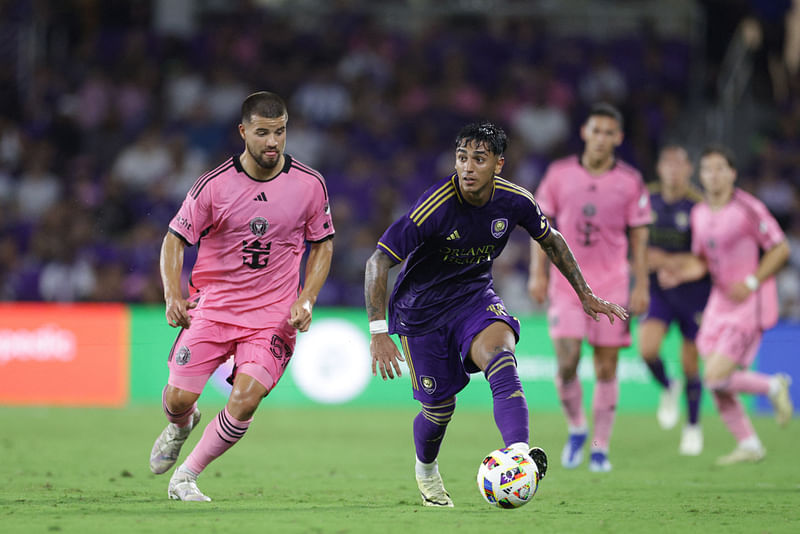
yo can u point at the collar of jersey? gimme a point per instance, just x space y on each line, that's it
287 164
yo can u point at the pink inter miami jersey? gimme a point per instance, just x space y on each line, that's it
593 212
251 238
731 239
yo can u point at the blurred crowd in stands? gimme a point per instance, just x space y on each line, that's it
100 141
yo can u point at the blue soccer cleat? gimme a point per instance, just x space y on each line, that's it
598 462
572 454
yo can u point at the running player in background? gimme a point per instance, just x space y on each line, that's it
730 229
253 216
672 199
443 306
602 206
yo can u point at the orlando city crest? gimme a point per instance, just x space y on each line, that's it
428 384
259 226
499 227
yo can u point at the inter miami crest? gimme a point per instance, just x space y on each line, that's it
183 356
499 227
259 226
428 384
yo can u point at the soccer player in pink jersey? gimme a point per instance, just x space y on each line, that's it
253 216
601 205
730 230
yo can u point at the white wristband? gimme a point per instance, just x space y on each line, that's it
751 282
378 327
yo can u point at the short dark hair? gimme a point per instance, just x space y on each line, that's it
484 132
604 109
722 150
263 104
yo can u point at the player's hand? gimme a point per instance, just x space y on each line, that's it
178 312
300 314
594 306
537 288
385 356
739 292
640 299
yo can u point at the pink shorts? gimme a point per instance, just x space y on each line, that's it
566 319
737 342
262 353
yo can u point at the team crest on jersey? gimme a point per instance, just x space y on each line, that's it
428 384
682 220
183 356
589 210
259 226
499 227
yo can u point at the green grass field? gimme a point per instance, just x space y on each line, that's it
351 470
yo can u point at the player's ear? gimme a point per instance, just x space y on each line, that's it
241 130
499 165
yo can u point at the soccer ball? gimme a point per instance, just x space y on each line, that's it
508 478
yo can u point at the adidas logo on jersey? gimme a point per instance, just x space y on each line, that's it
453 236
261 197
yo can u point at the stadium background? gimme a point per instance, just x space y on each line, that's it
110 109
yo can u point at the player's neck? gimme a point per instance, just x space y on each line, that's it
256 171
478 198
672 194
597 166
719 199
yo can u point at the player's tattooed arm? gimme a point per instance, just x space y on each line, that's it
560 254
385 356
376 278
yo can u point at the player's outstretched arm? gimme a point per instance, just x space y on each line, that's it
385 355
317 266
560 254
171 265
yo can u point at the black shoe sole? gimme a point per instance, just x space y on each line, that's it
540 458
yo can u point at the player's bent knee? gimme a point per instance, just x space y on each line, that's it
179 400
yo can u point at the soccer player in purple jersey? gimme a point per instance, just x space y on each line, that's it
443 307
253 216
672 200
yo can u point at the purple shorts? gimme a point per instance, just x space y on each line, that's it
437 361
683 304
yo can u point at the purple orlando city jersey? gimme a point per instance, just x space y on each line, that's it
671 232
448 246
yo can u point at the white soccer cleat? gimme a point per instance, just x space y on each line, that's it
781 401
743 454
168 445
183 486
432 491
598 462
667 413
572 453
691 441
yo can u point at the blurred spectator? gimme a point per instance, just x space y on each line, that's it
143 163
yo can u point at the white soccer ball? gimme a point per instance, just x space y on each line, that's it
508 478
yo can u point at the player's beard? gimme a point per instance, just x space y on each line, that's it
263 161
